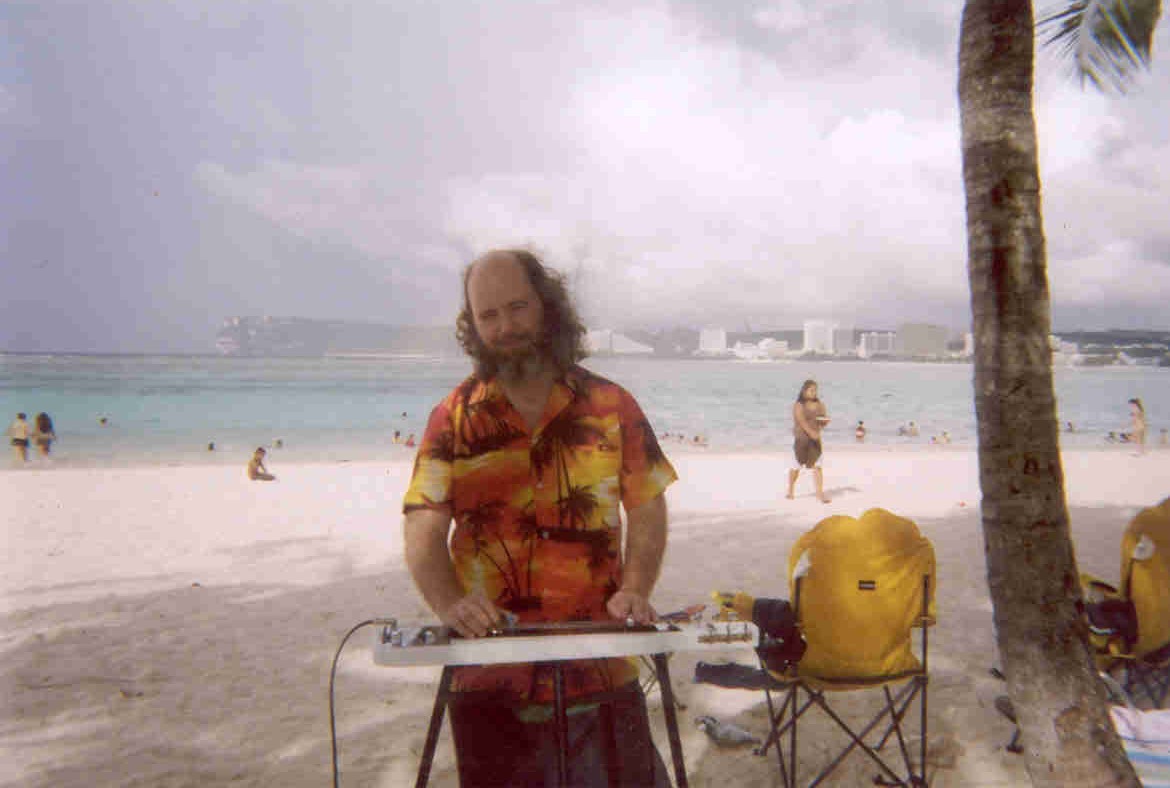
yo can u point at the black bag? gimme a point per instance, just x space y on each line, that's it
1112 618
781 643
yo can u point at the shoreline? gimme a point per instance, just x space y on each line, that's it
230 454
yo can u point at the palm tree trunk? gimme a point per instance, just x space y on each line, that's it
1031 569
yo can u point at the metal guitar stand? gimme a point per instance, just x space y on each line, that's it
443 697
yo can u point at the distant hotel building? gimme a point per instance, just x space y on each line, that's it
774 348
921 339
843 343
818 336
605 342
873 344
712 342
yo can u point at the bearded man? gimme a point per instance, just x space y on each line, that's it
532 458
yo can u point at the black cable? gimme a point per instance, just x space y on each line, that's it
333 675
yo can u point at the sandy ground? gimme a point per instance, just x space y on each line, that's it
175 626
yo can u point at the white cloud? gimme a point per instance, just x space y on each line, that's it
681 174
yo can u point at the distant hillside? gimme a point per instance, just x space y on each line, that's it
299 336
1117 338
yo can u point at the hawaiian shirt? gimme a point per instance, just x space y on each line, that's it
538 529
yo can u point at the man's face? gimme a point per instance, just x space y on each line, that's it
506 310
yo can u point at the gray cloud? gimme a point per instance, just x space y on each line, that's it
688 163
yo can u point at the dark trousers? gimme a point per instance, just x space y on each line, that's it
609 745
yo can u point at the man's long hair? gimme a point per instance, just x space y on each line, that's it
563 333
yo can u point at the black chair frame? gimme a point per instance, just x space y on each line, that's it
894 712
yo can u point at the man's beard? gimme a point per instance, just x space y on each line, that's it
522 362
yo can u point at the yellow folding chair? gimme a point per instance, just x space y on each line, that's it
1142 665
860 588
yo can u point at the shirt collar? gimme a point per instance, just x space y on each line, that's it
565 389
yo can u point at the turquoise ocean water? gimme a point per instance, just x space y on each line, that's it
166 409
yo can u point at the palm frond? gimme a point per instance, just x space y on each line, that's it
1105 41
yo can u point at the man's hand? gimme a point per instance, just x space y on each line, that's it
427 557
625 605
472 616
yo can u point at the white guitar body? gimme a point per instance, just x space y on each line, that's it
436 645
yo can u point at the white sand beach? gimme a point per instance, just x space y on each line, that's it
175 626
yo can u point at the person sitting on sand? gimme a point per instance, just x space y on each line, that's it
809 417
859 432
410 440
256 470
44 435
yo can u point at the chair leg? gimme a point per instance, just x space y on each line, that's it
896 726
1155 682
777 723
857 740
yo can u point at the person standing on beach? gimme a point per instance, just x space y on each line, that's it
1137 428
531 457
809 417
18 432
44 435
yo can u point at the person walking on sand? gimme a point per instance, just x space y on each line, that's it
1137 429
44 435
809 417
256 470
18 433
859 432
514 506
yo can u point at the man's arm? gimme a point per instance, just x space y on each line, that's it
429 562
645 545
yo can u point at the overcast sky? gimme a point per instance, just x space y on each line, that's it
164 165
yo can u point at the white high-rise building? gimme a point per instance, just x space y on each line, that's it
712 342
876 343
605 342
818 336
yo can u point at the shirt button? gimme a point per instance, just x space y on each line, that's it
540 485
543 533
